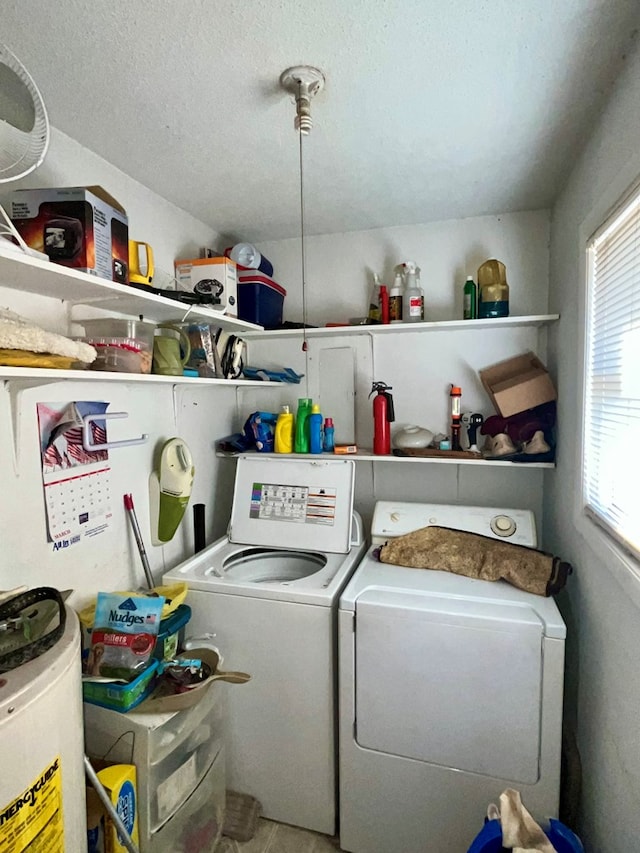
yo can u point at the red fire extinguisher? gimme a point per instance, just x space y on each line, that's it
383 415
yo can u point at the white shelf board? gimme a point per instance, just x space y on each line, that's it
38 375
366 455
32 275
402 328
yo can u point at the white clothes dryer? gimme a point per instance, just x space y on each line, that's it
450 691
269 592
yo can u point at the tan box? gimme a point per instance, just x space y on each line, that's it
518 384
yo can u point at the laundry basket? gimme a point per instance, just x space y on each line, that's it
490 839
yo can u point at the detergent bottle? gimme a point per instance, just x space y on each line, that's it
284 431
383 416
328 440
315 429
301 442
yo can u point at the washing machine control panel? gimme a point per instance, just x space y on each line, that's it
392 519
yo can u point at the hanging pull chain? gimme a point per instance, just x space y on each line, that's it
303 259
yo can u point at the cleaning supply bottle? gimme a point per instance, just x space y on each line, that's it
395 299
384 305
315 429
470 300
455 395
283 442
493 293
301 442
383 416
421 293
412 300
373 317
328 441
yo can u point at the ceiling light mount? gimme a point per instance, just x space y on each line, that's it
303 82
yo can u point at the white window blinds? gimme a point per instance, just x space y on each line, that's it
612 398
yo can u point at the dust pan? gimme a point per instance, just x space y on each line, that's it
241 817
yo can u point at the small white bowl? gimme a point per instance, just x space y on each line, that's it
412 438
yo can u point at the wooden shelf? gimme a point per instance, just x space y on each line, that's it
404 328
27 274
366 455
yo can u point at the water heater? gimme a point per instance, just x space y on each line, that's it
42 787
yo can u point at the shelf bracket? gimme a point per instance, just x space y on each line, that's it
87 437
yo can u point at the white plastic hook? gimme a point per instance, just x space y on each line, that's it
109 445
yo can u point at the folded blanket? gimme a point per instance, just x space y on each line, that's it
17 333
479 557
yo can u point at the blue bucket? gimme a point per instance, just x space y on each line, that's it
490 839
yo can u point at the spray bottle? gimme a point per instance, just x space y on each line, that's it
383 416
395 298
412 302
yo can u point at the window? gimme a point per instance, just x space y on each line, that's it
612 391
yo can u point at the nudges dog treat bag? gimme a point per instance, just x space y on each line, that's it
124 634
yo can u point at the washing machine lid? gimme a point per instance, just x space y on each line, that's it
304 504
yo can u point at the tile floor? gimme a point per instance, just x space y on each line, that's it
274 837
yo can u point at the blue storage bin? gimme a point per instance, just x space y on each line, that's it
171 634
260 299
562 838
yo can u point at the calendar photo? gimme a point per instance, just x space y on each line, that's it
76 481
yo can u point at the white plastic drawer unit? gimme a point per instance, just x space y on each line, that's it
172 752
459 678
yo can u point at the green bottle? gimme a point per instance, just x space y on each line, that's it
301 442
470 300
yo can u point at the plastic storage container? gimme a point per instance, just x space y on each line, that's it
490 838
171 635
179 756
260 299
123 346
121 697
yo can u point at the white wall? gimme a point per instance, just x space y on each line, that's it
340 267
602 603
420 366
199 415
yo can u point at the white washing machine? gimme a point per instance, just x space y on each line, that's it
269 592
450 691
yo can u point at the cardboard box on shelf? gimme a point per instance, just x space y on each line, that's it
79 227
518 384
217 276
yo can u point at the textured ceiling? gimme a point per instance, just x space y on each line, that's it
432 110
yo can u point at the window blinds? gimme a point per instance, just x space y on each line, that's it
612 398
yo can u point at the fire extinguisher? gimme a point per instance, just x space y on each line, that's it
383 415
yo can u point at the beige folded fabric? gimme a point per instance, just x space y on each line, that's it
479 557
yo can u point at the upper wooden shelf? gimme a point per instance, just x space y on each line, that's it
25 273
441 325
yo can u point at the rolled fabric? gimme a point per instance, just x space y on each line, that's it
479 557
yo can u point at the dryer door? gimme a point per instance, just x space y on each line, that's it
453 682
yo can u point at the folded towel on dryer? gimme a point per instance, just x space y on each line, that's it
479 557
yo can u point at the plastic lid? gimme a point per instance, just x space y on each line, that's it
455 391
285 410
328 422
315 409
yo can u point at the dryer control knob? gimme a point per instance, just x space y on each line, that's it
503 525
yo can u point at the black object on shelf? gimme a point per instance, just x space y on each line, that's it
198 528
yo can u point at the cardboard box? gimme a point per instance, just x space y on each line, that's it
518 384
218 276
79 227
